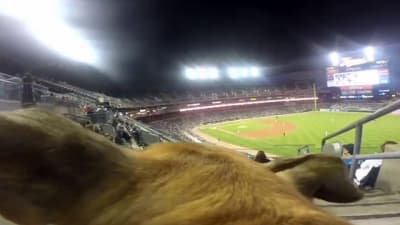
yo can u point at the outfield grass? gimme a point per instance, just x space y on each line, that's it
311 127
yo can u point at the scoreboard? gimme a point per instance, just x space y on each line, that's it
368 74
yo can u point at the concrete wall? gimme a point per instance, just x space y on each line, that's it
388 178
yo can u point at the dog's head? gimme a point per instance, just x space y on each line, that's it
318 176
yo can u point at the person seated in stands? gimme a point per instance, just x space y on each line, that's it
261 157
133 132
122 135
90 111
109 137
366 175
115 121
348 150
84 123
368 172
363 168
383 146
94 127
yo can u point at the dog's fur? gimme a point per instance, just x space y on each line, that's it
53 171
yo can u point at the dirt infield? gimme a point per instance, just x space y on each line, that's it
278 128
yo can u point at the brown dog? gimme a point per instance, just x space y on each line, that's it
53 171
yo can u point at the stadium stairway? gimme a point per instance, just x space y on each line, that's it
377 207
380 206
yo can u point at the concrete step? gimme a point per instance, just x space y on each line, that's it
382 221
376 205
367 211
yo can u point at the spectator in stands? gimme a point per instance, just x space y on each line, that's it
94 127
122 136
348 150
109 137
368 172
261 157
383 146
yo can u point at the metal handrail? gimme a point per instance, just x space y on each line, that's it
358 126
76 90
154 131
8 81
386 155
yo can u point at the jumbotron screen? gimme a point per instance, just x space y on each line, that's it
367 74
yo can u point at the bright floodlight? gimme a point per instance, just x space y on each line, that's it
31 11
335 58
233 72
255 71
44 18
207 73
190 73
369 53
243 72
65 41
213 73
201 73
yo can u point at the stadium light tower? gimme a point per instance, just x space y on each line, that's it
369 53
335 58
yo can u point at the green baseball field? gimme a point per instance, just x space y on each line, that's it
284 134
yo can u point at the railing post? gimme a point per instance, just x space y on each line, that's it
323 144
356 150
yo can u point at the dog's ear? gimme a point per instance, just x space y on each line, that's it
318 176
47 163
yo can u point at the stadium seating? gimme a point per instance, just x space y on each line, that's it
335 149
355 106
220 94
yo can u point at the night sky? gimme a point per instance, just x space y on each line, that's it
144 44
